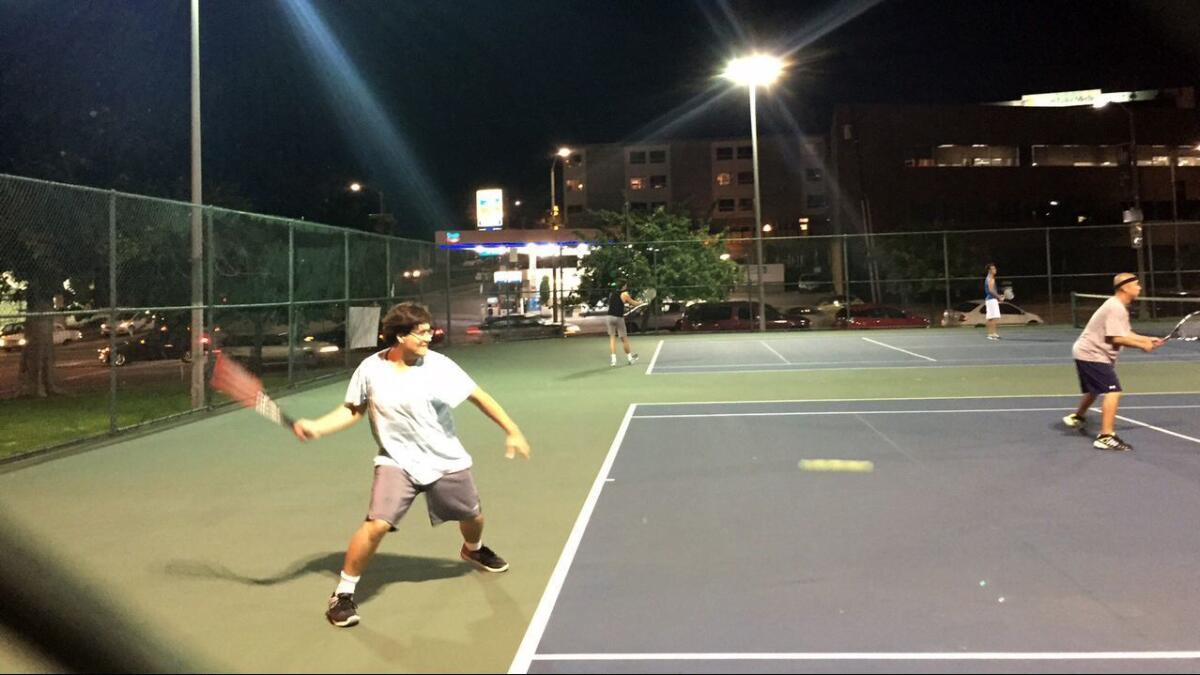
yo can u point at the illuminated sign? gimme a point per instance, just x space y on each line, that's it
453 237
489 209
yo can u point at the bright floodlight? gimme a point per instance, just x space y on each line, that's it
355 187
564 152
1100 102
756 70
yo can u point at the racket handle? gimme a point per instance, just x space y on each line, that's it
286 420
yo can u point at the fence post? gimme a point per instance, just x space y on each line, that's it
1050 281
291 311
346 288
946 267
212 301
448 299
112 311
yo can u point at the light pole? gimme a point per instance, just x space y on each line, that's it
383 220
754 71
197 236
562 154
1133 170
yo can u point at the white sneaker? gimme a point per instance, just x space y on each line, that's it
993 337
1074 421
633 358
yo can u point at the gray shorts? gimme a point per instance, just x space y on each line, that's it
615 326
451 497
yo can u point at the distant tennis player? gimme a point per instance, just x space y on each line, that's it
1096 353
408 392
991 302
615 322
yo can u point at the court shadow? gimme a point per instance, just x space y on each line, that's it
385 569
579 375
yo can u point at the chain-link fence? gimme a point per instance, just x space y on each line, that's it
99 291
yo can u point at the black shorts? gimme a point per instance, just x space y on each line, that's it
1096 377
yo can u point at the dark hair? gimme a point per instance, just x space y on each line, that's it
403 319
988 266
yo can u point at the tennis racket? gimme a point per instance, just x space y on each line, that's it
1008 293
1187 330
231 379
649 294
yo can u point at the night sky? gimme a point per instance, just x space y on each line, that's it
433 99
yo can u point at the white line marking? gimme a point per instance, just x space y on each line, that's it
541 616
1074 395
889 441
877 656
1151 426
654 359
895 412
884 344
737 369
774 352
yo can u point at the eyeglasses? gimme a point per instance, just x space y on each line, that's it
426 335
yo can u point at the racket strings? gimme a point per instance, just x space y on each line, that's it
1188 330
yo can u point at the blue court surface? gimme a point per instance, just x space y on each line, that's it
857 350
885 535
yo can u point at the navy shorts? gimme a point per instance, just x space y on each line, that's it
1096 377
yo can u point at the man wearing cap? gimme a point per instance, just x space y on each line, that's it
1096 352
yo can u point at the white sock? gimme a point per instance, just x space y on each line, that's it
347 584
612 358
474 547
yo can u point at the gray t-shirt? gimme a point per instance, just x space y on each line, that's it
1110 320
410 413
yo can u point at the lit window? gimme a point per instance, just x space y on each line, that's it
1076 155
575 185
637 183
724 179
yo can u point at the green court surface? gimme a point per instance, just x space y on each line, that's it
223 537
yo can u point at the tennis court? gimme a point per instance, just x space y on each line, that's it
917 348
942 535
710 549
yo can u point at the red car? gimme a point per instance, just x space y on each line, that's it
737 315
877 316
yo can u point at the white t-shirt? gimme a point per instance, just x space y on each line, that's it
410 413
1110 320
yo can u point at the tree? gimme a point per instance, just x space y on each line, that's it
661 250
544 292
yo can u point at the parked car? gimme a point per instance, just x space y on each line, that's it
974 313
154 346
518 327
309 349
130 323
735 315
832 303
877 316
813 283
667 318
12 336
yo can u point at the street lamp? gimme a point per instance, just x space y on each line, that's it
562 154
359 187
756 70
1136 215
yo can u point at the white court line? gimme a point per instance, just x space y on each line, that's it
774 352
654 359
877 656
884 344
902 412
541 616
1075 395
1151 426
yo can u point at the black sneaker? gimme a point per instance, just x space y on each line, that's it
485 559
342 611
1111 442
1074 421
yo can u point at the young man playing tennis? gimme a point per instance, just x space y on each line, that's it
991 302
408 393
615 323
1096 351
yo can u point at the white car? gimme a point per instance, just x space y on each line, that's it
12 336
128 324
974 313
